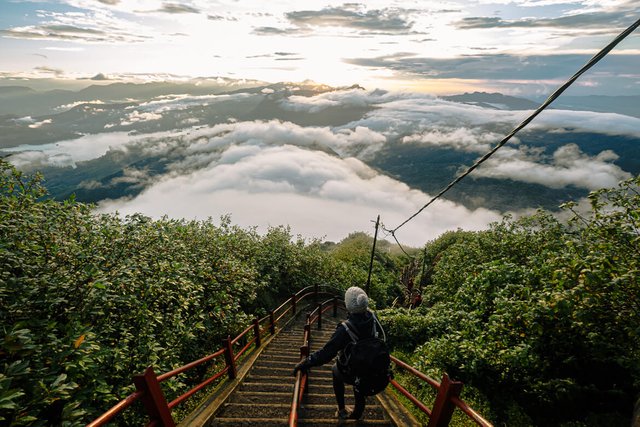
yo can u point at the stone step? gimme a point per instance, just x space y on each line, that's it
266 387
285 370
327 399
281 353
256 410
371 412
262 397
276 364
333 421
281 357
250 422
277 379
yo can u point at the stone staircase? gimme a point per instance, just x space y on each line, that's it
264 397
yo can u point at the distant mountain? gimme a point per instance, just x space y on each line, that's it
26 101
627 105
495 101
15 90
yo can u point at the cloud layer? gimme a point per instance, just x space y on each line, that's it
316 178
315 193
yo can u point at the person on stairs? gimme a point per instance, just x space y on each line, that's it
363 321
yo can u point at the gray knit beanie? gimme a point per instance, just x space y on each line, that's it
356 300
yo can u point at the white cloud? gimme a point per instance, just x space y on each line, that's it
475 140
86 147
27 120
315 193
166 103
40 123
359 141
75 104
34 160
135 117
343 98
569 166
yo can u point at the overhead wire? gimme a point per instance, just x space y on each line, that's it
594 60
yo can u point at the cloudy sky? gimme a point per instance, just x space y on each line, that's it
519 47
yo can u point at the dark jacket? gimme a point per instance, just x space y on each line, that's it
363 325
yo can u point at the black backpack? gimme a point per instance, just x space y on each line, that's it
367 361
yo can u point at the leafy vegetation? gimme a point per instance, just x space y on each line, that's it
88 300
539 318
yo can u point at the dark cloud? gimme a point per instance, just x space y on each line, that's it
177 8
70 33
55 71
612 21
501 66
40 55
273 31
109 2
384 21
99 76
221 18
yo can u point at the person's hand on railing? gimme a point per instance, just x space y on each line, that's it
303 366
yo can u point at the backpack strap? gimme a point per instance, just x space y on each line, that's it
375 332
354 337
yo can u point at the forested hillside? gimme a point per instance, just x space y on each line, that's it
86 301
540 318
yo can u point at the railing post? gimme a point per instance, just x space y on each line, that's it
272 322
293 303
304 352
315 292
307 329
256 332
443 407
335 306
319 316
228 357
153 398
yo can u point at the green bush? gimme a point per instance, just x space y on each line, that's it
88 300
538 316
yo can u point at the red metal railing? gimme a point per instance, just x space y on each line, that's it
148 384
301 378
447 399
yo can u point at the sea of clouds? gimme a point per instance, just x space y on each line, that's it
316 178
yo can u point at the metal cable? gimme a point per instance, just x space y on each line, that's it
594 60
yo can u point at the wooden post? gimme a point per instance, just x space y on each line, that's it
272 322
315 292
153 398
443 407
335 306
293 303
256 332
373 251
319 316
228 357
